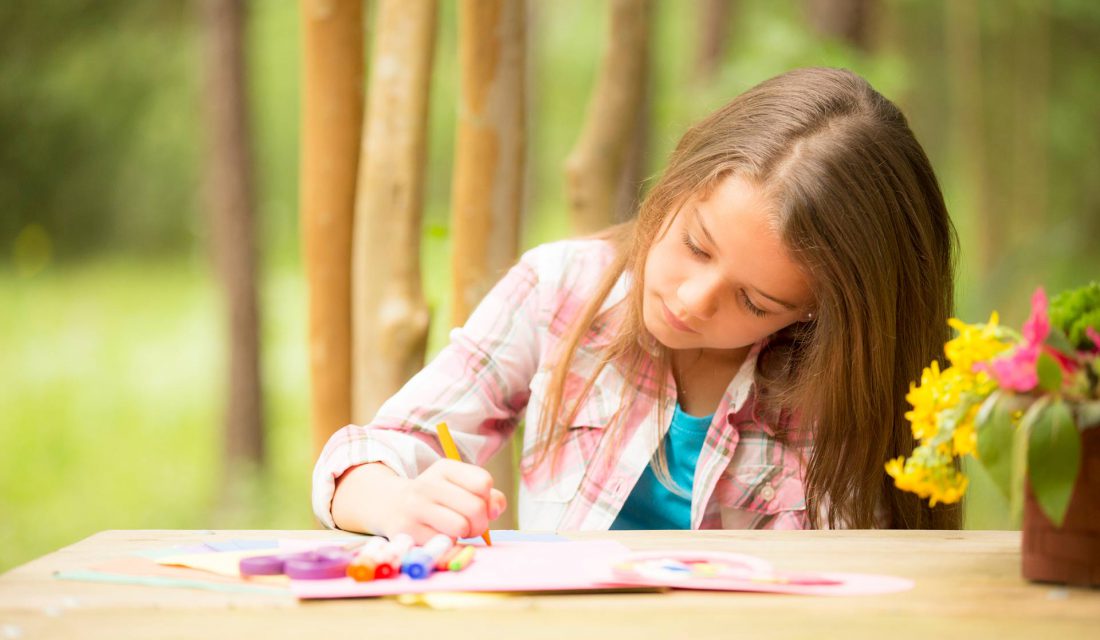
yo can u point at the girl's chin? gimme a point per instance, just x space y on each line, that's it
667 336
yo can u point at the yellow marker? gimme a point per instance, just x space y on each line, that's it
463 559
451 450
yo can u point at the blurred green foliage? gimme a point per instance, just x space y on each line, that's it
112 334
97 103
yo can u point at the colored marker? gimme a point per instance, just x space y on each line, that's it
463 559
369 551
451 450
361 571
444 562
393 553
363 567
400 544
419 563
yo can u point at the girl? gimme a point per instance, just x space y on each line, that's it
736 357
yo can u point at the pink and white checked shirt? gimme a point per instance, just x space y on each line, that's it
494 373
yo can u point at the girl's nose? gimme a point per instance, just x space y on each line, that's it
700 296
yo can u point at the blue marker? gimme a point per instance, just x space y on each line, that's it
419 563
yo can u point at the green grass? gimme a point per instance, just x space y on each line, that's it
113 386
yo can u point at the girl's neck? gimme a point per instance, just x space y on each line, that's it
702 377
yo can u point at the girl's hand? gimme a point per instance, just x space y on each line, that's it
450 497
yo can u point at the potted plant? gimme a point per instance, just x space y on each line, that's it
1025 405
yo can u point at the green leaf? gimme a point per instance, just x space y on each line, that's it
1020 456
1056 339
1019 476
995 434
1053 459
1050 373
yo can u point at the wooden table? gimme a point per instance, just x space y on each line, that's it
967 585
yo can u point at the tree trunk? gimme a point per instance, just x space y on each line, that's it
489 153
230 202
595 166
1031 95
489 169
390 318
713 28
629 191
846 20
332 120
964 51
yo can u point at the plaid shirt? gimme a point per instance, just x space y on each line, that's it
495 372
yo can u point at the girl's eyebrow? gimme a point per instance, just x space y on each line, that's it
710 239
789 306
699 219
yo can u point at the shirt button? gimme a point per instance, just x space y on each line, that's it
767 492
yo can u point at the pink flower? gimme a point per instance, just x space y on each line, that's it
1038 324
1017 371
1090 332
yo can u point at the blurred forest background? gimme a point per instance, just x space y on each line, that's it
112 332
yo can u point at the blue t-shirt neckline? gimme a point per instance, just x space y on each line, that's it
687 423
651 505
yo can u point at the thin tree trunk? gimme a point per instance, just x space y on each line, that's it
629 191
390 318
489 169
332 121
229 192
713 28
1031 93
489 154
594 167
964 54
846 20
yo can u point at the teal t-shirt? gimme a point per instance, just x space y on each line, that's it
651 505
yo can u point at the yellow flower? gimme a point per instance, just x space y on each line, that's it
929 474
965 440
924 401
938 391
931 471
950 492
975 343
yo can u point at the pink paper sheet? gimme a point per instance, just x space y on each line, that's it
728 571
583 565
851 584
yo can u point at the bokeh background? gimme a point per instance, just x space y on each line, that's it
112 327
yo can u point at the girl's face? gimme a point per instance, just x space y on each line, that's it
718 278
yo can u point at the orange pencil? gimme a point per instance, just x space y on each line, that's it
451 450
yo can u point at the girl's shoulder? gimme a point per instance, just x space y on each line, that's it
570 263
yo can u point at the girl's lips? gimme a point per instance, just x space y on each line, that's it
675 322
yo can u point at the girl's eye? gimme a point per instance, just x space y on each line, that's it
753 309
694 248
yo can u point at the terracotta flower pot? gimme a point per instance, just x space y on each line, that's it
1070 554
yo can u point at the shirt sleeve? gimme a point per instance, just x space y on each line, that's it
478 384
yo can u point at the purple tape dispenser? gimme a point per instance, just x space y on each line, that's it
320 564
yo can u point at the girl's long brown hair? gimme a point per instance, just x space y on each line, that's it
859 207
